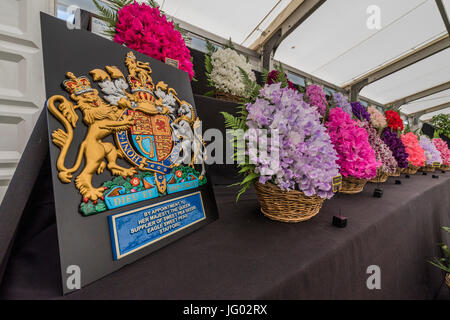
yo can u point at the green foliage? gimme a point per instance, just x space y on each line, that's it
89 208
282 76
230 45
444 262
407 129
210 49
210 93
441 123
251 87
186 170
330 105
108 13
232 122
265 75
239 122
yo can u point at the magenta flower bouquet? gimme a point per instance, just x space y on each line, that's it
316 97
144 28
356 156
442 147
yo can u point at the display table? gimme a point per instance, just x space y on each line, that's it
244 255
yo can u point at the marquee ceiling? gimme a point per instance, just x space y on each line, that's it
334 43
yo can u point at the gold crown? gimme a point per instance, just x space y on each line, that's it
130 55
76 85
137 86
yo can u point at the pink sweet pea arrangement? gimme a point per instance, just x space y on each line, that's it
415 151
442 147
144 28
316 97
356 156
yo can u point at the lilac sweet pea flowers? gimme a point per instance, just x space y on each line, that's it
307 159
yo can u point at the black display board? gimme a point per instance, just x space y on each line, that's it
85 241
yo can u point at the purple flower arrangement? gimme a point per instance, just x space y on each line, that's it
360 112
341 101
432 154
394 143
382 152
307 159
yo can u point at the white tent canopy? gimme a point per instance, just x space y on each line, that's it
430 115
417 77
335 43
417 106
242 21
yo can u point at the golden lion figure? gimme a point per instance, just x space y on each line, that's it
102 120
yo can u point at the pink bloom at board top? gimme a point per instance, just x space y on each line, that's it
145 29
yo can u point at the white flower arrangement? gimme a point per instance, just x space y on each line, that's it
224 72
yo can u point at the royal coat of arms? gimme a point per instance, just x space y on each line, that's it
154 130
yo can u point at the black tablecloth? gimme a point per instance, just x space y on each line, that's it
244 255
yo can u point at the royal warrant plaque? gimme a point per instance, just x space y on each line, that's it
119 127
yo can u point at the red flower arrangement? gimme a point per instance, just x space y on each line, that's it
394 121
413 148
272 78
144 28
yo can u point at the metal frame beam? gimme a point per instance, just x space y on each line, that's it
419 95
428 110
407 60
444 15
313 79
282 26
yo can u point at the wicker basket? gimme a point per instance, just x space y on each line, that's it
428 168
227 97
352 185
396 173
447 279
380 178
444 167
410 170
291 207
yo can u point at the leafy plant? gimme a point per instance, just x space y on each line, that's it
441 123
444 262
239 122
210 49
109 13
230 45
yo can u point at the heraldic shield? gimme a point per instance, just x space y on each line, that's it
151 126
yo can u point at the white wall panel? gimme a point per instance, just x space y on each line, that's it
22 91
